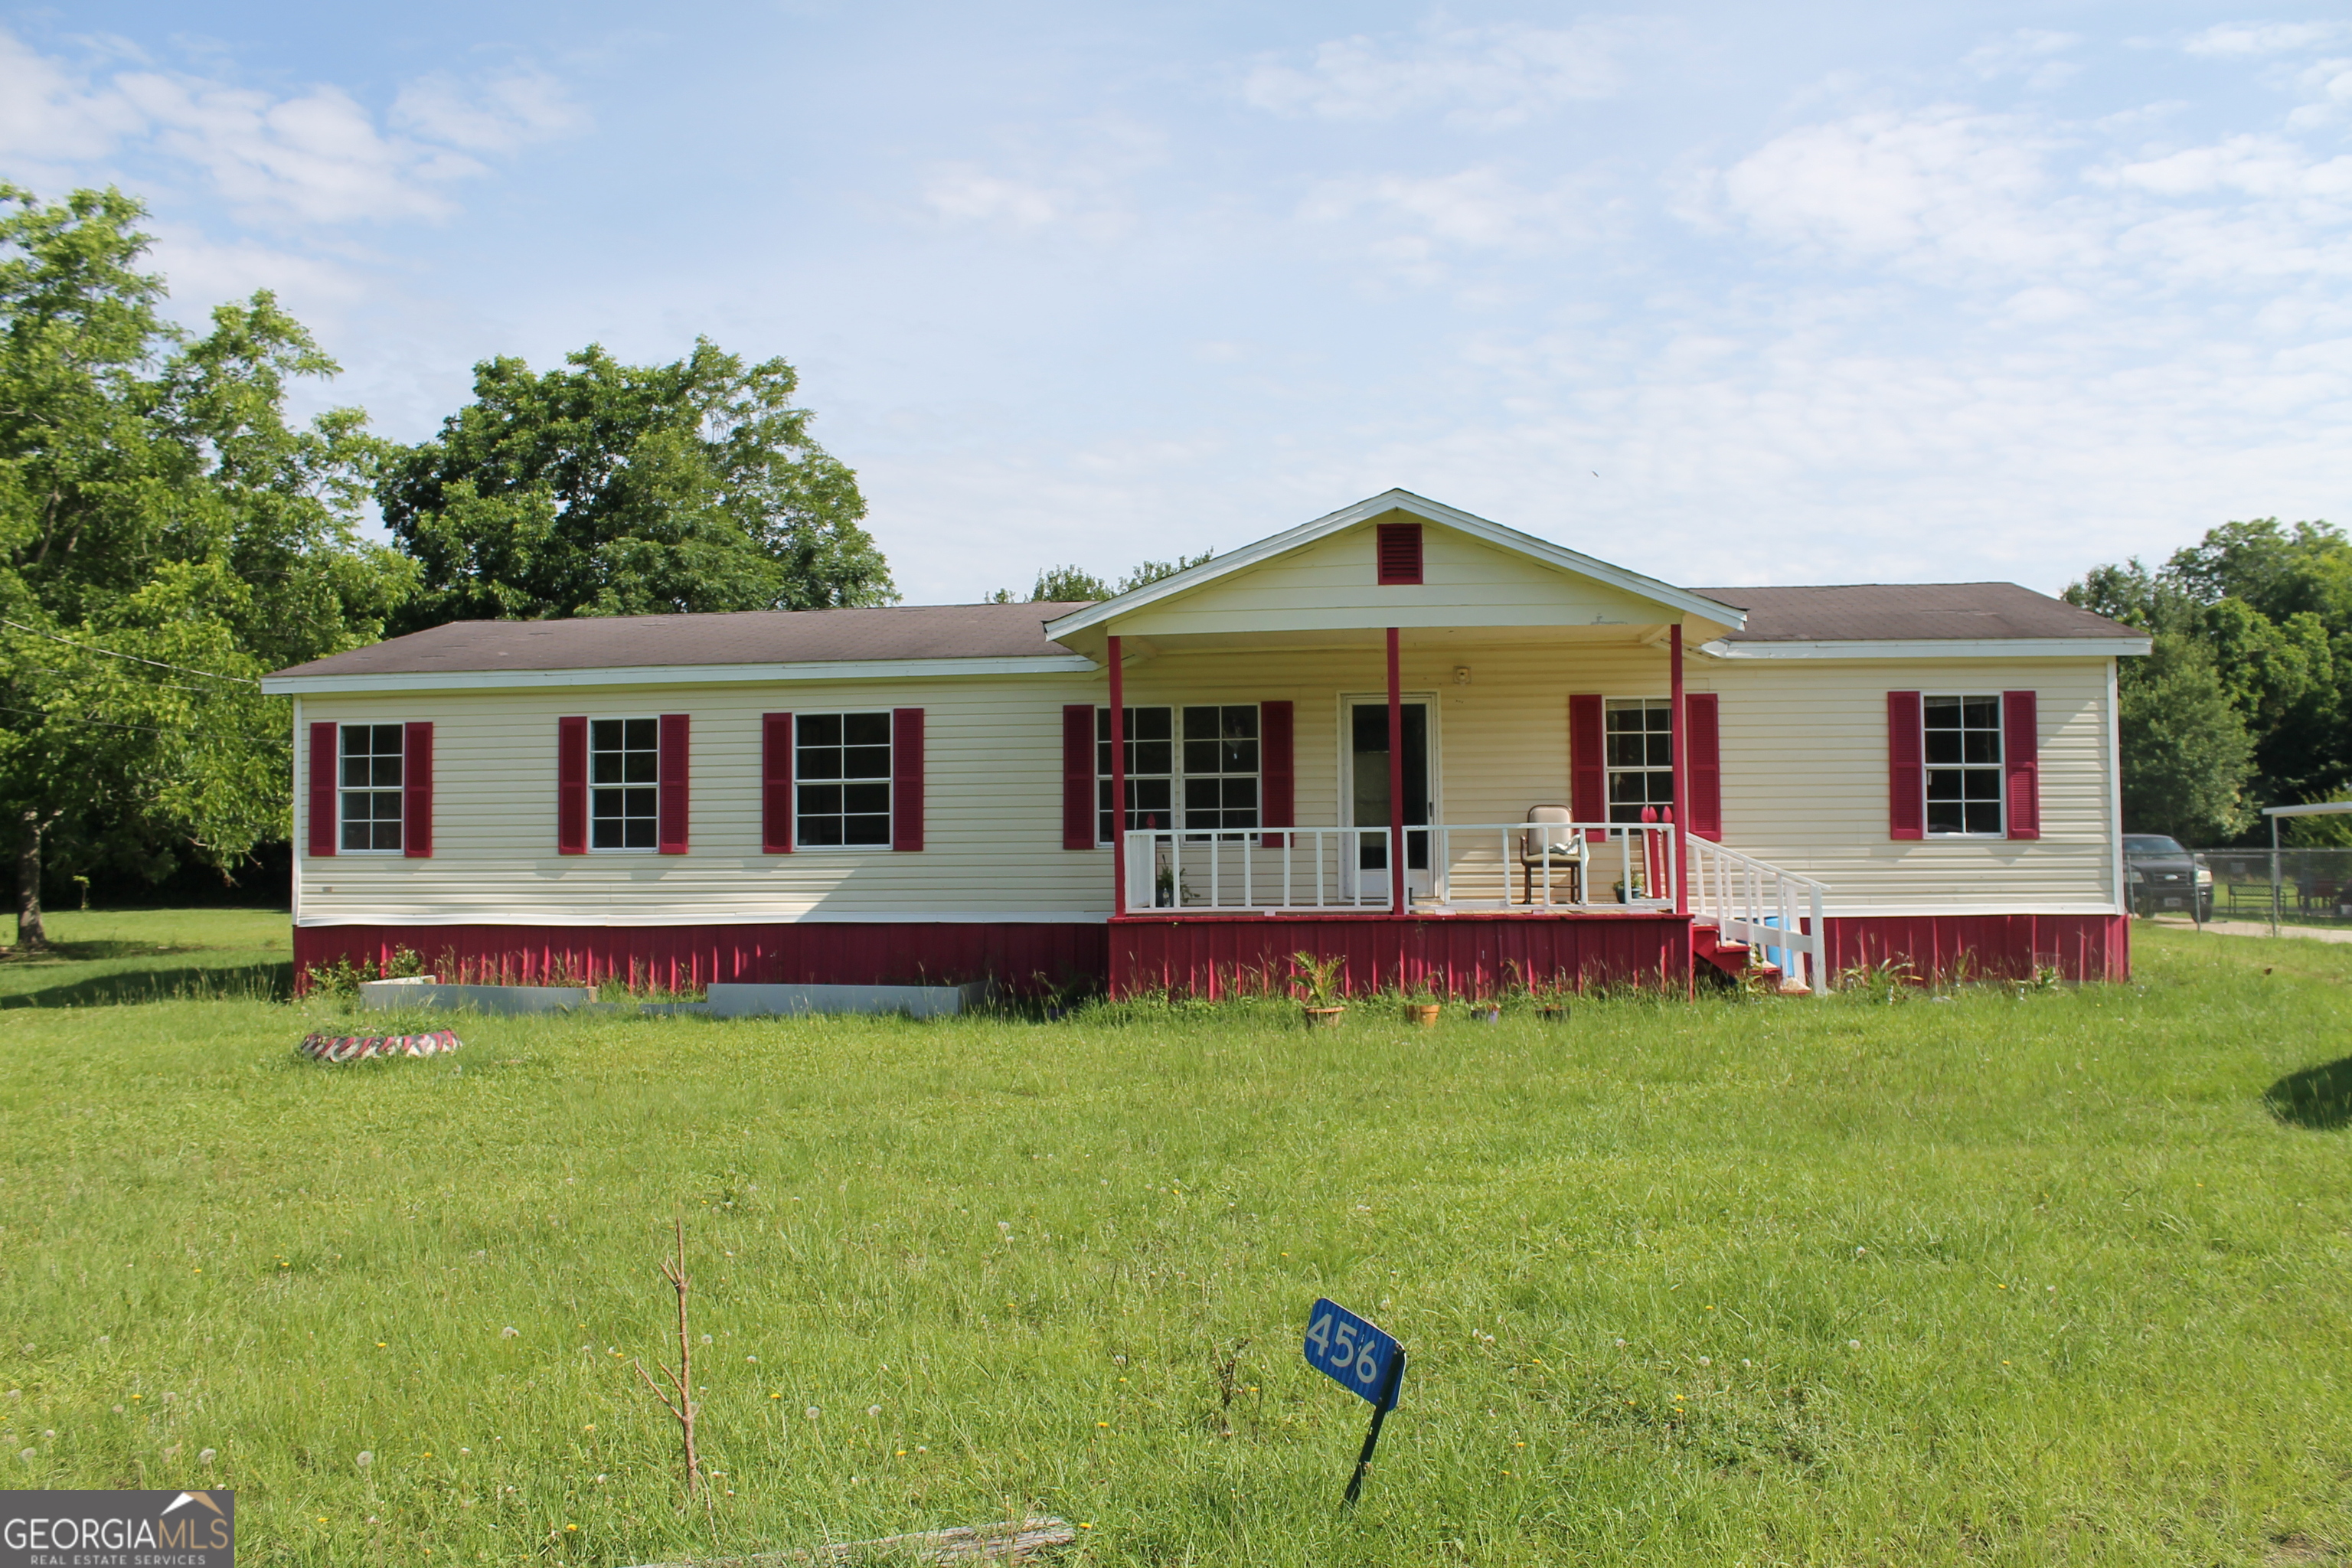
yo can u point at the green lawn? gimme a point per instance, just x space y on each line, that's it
2054 1277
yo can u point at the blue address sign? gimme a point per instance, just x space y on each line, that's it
1354 1354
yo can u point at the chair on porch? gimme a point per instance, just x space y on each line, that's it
1552 848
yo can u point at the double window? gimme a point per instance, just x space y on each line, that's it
1196 768
841 772
370 777
1961 743
625 784
1639 736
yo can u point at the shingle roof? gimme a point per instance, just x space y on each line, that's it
1867 612
1908 611
750 637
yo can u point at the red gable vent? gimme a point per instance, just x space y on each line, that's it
1400 553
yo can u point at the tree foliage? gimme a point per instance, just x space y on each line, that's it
2268 610
1068 584
165 536
607 489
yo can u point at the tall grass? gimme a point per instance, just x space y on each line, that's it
2000 1277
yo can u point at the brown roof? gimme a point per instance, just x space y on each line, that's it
1908 611
750 637
1861 612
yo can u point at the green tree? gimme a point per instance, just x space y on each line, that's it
1068 584
2187 758
616 490
2271 606
165 537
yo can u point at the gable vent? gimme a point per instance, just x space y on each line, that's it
1400 553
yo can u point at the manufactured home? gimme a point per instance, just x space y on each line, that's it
1460 756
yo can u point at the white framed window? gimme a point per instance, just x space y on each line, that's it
841 781
1195 767
369 779
1639 743
1961 744
623 783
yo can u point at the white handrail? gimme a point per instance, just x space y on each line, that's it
1498 866
1754 901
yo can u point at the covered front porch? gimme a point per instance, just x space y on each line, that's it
1464 764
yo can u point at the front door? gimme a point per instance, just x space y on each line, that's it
1365 789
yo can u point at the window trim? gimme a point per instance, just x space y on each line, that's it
594 848
1176 776
400 849
1998 767
799 779
1608 805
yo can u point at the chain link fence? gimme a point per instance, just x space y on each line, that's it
2305 886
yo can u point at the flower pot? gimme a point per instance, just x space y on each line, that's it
1485 1013
1325 1017
1557 1013
1421 1013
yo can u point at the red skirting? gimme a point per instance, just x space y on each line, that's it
2080 947
1450 955
1025 958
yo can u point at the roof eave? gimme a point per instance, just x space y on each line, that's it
1494 533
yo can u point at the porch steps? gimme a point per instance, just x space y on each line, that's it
1734 959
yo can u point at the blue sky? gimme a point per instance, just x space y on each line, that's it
1724 293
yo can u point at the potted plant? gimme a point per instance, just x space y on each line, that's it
1421 1009
1318 979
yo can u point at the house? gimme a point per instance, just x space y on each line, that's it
1457 755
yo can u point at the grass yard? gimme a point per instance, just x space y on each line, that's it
1993 1280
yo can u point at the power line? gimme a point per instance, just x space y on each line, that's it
102 723
159 664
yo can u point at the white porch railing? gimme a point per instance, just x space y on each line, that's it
1466 866
1752 902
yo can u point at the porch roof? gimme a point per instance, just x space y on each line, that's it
1317 582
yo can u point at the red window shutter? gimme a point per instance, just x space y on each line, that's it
1587 756
1078 775
907 778
325 757
2020 762
1703 734
572 787
1278 776
416 792
1400 553
1906 778
671 829
776 783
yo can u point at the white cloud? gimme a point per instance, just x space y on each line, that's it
970 193
1475 208
1481 77
317 156
2250 165
2029 52
48 112
1937 187
1081 186
498 116
2241 39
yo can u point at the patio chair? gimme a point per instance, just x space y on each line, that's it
1554 848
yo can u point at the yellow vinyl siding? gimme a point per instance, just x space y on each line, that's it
1804 785
1334 585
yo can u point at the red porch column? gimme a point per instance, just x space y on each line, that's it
1118 781
1396 781
1682 775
